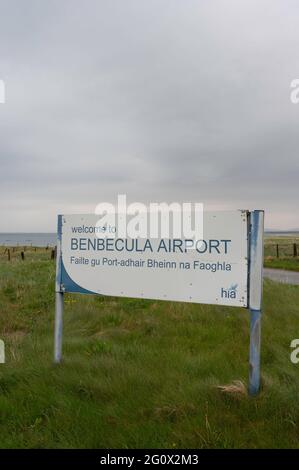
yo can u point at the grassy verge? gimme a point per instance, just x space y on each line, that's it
140 373
290 264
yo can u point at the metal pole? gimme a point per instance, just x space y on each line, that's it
255 351
255 297
58 298
58 327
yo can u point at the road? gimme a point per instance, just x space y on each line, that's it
280 275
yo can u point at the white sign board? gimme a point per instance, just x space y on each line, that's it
213 270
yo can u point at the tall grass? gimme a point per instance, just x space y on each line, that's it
140 373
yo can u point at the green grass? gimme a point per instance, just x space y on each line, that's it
282 263
140 373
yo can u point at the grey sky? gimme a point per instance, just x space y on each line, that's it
175 100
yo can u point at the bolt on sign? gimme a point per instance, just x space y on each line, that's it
222 268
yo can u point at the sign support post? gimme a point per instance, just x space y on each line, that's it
256 248
58 298
58 327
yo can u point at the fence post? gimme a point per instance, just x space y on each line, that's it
295 250
277 251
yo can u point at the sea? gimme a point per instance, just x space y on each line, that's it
28 239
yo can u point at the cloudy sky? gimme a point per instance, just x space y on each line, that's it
164 100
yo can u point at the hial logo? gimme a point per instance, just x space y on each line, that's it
230 293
